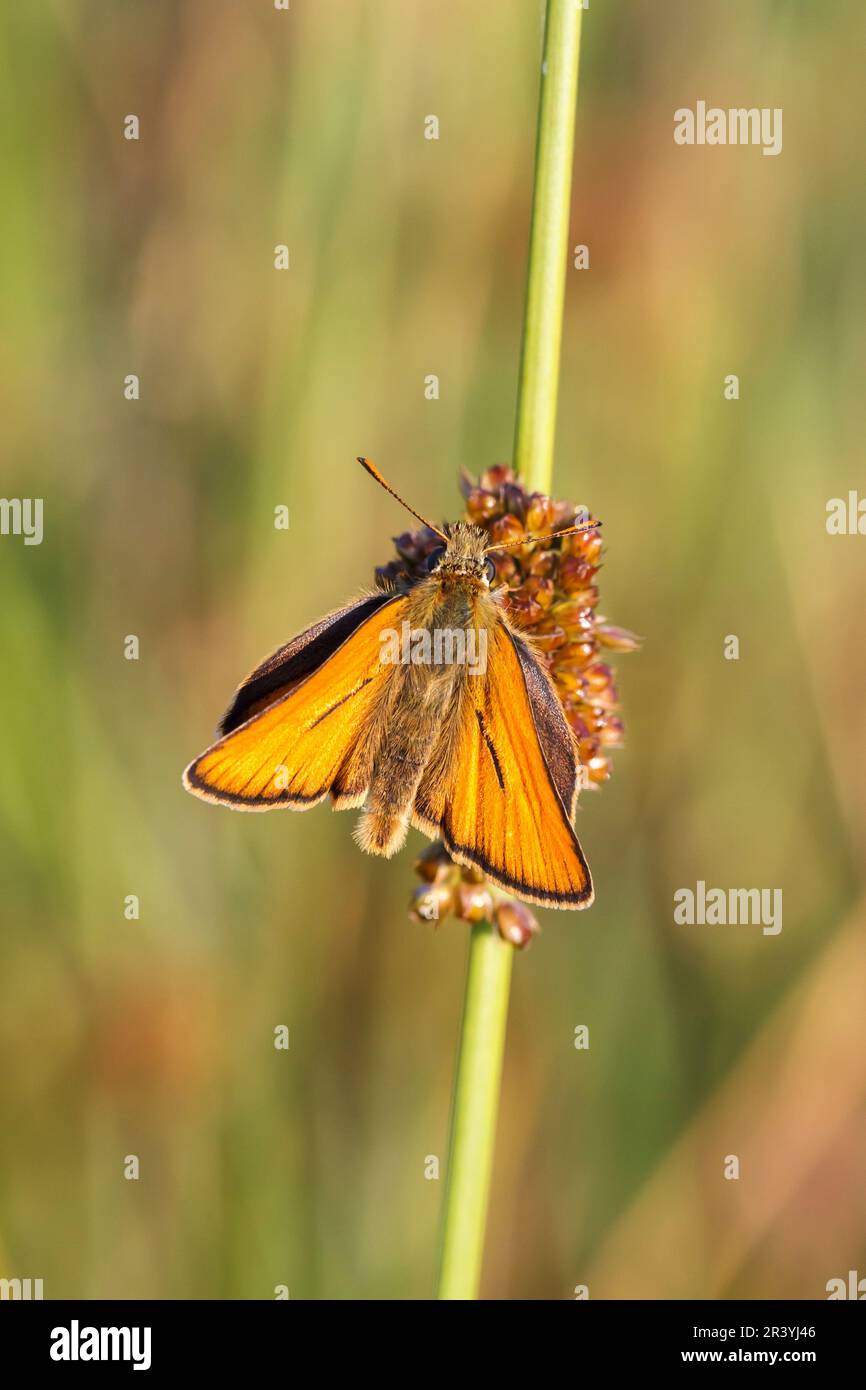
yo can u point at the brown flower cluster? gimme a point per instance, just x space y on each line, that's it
552 596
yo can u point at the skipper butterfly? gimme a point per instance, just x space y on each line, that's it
424 706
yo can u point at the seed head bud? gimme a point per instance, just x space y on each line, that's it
474 902
432 902
515 923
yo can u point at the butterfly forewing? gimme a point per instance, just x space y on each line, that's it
500 785
290 752
293 662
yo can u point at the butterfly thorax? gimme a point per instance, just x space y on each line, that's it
449 600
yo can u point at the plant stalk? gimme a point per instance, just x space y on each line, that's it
475 1106
482 1034
548 247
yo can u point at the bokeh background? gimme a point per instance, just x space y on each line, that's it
258 388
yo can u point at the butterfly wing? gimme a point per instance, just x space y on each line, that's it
291 729
290 664
501 784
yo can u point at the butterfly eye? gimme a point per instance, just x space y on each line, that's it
432 561
490 570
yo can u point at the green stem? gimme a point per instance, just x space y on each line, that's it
548 247
476 1101
485 1010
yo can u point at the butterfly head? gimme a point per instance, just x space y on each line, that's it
463 557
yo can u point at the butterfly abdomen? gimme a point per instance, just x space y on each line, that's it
422 698
416 712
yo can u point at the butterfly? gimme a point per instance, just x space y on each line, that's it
421 706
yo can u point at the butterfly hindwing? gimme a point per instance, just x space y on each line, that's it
299 726
500 786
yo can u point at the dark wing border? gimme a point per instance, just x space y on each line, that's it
554 734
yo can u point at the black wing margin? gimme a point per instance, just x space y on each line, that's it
558 743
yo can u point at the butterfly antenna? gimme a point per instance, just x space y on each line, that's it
551 535
374 473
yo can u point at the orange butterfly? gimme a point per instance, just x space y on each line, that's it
426 707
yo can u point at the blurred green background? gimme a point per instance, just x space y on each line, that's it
258 388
